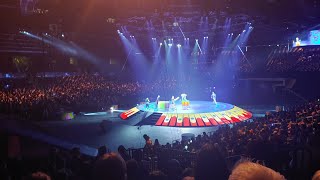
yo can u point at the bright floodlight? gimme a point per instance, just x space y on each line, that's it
170 44
160 44
179 45
118 31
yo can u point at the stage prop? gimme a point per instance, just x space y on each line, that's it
163 105
184 101
125 115
67 116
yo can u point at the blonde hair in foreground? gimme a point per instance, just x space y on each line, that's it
316 175
252 171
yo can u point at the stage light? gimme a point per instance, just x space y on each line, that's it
170 45
118 31
231 34
196 40
160 44
244 31
179 45
62 35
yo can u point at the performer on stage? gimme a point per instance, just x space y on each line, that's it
157 100
213 97
147 101
173 103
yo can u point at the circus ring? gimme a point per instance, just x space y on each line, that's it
197 114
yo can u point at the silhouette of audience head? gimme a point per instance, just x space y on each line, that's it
157 175
110 166
210 164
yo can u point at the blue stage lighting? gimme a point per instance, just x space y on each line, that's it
160 44
179 45
118 31
197 40
170 45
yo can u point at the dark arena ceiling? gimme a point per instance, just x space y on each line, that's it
273 20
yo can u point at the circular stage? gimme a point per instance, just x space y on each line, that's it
197 114
194 107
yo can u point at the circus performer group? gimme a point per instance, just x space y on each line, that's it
171 104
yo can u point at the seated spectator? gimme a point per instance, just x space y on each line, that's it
188 174
173 169
247 170
157 175
110 167
123 152
102 150
40 176
134 172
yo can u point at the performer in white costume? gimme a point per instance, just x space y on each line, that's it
214 97
173 103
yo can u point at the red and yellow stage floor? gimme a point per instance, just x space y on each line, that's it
198 114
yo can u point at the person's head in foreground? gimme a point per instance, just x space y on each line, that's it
316 175
110 166
246 170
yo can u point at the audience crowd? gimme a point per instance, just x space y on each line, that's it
283 145
300 59
72 93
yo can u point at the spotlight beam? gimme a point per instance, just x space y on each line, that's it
181 32
199 47
245 57
125 63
